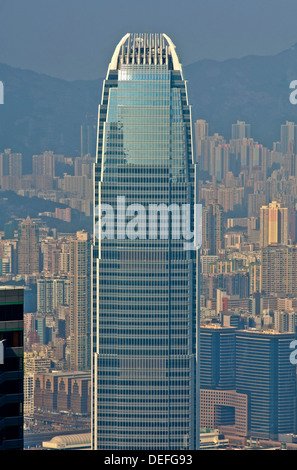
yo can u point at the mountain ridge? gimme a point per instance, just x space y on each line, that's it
41 112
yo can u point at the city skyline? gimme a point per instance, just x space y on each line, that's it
148 227
242 286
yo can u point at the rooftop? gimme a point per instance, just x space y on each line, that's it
20 288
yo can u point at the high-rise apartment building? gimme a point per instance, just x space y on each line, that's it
241 130
206 149
201 132
28 248
288 137
29 397
80 301
50 256
4 166
11 367
8 258
44 164
64 258
273 224
212 229
279 269
10 164
16 164
51 293
255 277
11 169
145 310
285 321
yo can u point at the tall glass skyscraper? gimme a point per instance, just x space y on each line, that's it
145 392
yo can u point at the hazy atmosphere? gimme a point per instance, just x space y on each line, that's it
148 227
75 39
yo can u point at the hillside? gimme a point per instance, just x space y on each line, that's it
44 113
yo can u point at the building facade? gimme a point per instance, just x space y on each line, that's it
225 410
265 374
217 357
11 368
278 270
145 315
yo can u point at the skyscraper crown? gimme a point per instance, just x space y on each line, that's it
145 48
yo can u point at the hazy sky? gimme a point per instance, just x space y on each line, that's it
74 39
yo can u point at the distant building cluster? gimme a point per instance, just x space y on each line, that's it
67 181
249 285
54 271
248 294
249 202
248 269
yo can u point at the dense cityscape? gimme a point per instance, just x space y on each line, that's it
70 305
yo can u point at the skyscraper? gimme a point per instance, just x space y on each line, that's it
221 406
217 357
264 372
145 309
